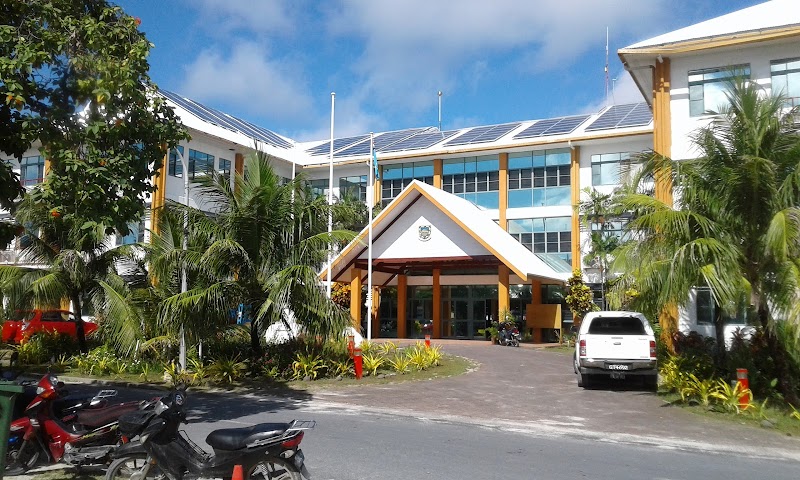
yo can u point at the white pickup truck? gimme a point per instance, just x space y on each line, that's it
616 344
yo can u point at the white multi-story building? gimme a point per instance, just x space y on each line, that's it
438 259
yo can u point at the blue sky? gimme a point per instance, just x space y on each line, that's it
275 62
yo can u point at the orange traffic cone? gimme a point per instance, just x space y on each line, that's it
237 473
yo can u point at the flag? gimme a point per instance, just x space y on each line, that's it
375 163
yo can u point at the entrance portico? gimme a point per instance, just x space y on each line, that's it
453 266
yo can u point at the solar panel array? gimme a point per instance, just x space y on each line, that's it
485 134
381 141
226 121
338 144
617 116
552 126
419 141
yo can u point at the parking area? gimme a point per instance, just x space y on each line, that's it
535 388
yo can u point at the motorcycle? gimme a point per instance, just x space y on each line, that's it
267 450
84 437
509 337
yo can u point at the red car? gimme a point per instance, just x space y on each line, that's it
25 323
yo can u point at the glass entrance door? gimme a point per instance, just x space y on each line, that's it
466 309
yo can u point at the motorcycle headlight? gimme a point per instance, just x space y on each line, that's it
39 390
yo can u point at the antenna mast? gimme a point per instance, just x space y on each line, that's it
606 66
440 110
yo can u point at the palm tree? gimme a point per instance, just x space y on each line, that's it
65 260
261 248
736 225
598 211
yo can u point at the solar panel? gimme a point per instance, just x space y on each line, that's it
381 140
338 144
419 141
552 126
630 115
226 121
485 134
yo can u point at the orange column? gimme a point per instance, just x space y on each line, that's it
374 315
402 293
662 145
437 304
662 131
503 193
575 184
355 297
503 299
159 195
238 167
437 173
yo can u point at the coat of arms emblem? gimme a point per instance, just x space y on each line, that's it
424 233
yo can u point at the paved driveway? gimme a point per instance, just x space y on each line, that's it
534 389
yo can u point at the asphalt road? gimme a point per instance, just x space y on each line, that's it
519 414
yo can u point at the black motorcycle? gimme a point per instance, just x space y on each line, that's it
509 336
265 451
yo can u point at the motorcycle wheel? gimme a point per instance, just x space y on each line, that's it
21 459
274 469
127 467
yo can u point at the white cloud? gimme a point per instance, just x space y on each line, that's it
416 47
622 91
246 78
259 17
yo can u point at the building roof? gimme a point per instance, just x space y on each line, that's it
615 120
458 234
774 20
775 14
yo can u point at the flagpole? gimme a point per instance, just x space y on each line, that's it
330 201
370 198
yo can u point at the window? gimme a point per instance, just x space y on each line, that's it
786 79
31 170
355 187
537 179
318 187
136 234
175 167
544 235
394 178
200 163
707 87
611 168
706 308
476 179
224 169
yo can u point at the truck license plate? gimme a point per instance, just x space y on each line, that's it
618 367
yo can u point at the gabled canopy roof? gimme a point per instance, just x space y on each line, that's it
774 20
425 227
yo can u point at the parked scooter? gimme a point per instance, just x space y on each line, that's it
83 438
265 451
509 335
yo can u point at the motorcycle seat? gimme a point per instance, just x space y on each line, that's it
238 438
98 417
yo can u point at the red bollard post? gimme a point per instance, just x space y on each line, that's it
359 366
428 341
351 345
741 377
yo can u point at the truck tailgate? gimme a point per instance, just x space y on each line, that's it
618 347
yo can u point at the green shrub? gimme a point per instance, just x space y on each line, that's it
729 396
701 391
307 365
372 362
42 347
227 369
401 363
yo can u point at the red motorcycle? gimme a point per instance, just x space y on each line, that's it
82 439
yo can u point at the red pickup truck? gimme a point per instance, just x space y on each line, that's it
25 323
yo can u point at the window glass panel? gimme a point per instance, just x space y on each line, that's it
31 170
488 200
558 196
707 87
705 307
556 157
422 169
519 160
453 166
488 163
520 198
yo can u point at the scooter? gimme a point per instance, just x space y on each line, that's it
510 337
267 450
85 437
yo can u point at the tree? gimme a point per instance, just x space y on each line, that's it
72 263
736 225
74 77
599 213
261 248
580 298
